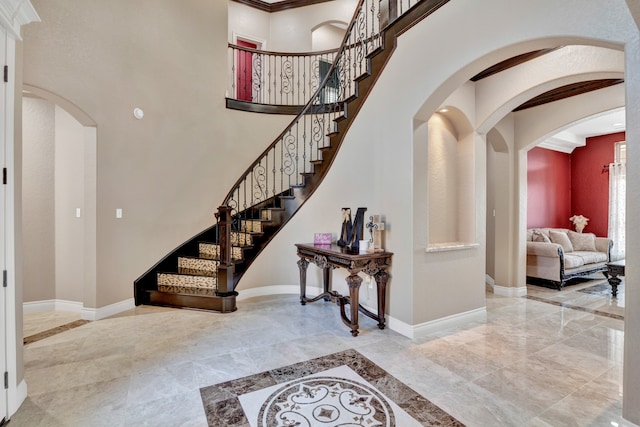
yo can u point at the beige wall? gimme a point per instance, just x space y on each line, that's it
169 171
38 200
69 196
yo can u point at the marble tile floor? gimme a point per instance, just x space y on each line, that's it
38 322
592 293
531 363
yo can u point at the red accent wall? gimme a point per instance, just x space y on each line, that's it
548 188
590 181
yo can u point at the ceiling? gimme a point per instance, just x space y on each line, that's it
575 136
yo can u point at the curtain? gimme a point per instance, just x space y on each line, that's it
617 211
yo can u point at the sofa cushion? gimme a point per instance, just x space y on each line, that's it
590 257
582 241
573 261
539 236
561 238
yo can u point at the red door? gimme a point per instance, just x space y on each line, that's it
244 71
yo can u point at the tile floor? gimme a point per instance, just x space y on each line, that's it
532 363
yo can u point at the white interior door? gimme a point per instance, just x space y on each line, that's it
3 225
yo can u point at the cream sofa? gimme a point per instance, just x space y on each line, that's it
556 255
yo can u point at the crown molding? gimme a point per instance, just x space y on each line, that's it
279 6
16 13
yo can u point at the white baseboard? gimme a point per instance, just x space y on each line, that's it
16 397
52 305
409 331
489 280
510 291
453 321
78 307
107 311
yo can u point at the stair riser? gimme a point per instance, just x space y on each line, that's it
198 264
206 282
212 251
249 226
241 239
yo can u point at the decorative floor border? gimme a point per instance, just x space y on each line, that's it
575 307
222 406
53 331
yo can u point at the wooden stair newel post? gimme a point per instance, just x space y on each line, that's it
225 269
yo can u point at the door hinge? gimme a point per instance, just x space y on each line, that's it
6 380
4 176
4 278
6 74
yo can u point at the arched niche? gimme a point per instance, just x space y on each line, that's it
450 180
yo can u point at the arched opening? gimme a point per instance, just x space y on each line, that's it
327 35
59 206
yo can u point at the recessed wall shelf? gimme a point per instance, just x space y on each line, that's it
451 246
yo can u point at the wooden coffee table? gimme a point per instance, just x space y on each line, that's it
614 269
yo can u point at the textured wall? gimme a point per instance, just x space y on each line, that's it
589 185
38 206
169 171
548 188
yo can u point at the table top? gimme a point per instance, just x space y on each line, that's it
336 250
619 263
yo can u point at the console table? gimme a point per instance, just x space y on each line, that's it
615 269
329 257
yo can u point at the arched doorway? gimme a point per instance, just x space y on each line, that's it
59 207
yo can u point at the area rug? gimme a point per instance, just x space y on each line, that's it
341 389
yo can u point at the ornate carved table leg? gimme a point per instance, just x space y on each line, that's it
326 281
354 281
382 277
302 265
614 281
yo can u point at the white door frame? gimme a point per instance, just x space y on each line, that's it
12 16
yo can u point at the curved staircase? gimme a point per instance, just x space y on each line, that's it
204 271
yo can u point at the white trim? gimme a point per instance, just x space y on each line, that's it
489 280
14 14
409 331
52 305
262 43
453 321
17 397
78 307
107 311
510 291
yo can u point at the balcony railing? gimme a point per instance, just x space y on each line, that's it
280 78
276 78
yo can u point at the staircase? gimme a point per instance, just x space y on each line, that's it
203 272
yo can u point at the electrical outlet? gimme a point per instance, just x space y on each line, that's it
78 212
118 213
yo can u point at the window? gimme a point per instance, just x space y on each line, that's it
620 152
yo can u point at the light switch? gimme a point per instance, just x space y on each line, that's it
118 213
77 212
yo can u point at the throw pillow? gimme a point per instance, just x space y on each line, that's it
583 241
539 236
561 238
